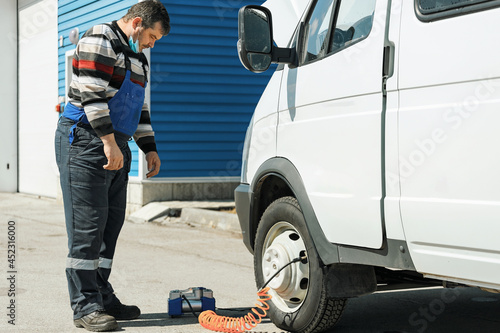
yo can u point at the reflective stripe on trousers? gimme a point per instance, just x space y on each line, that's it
94 208
88 265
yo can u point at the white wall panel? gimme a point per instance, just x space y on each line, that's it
8 96
38 96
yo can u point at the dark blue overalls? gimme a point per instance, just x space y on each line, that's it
95 198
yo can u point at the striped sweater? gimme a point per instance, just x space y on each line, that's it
98 72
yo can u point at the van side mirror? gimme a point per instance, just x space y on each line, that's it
255 40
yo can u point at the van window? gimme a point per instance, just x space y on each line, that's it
430 10
433 6
354 22
317 28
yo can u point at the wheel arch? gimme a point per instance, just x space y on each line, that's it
350 270
278 177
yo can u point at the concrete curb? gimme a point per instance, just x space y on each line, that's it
211 219
197 213
150 212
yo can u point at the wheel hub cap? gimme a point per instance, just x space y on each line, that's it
274 258
289 287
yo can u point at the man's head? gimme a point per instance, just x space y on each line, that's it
147 21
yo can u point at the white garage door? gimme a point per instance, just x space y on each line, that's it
38 96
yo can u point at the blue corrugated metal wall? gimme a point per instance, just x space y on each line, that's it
83 14
201 97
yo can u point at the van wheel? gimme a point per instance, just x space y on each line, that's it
299 302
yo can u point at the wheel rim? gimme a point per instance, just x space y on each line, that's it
289 288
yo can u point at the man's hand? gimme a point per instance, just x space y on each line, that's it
153 164
112 152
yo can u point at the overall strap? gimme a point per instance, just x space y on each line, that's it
144 62
117 45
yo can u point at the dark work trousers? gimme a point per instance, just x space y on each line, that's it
94 208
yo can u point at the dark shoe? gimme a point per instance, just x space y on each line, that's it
97 321
123 312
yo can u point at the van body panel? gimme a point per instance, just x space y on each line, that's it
262 138
341 184
393 224
449 51
243 199
284 169
449 74
331 111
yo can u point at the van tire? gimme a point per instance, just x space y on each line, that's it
283 226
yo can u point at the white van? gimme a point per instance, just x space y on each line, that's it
373 155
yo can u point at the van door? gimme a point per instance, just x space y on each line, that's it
330 117
449 136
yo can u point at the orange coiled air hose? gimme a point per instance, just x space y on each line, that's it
214 322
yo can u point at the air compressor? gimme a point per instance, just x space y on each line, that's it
201 299
197 299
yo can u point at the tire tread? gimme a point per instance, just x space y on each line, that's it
329 310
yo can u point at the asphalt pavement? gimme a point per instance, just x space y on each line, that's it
153 259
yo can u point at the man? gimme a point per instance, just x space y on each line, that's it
106 108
